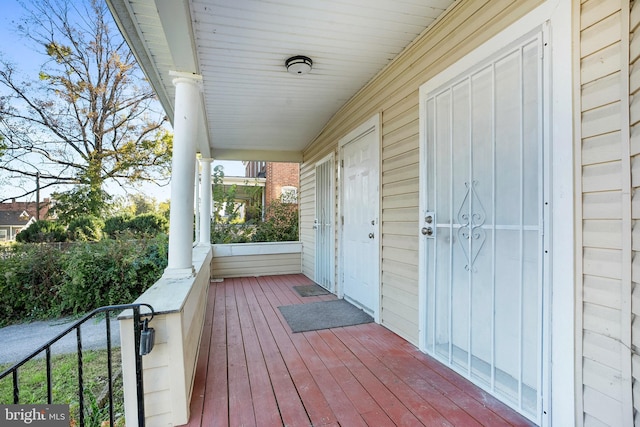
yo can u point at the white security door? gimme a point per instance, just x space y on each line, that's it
323 224
483 223
360 214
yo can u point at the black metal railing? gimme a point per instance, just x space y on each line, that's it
138 326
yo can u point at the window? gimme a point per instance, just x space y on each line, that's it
289 194
3 235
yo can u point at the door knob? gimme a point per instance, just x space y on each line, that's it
371 235
429 219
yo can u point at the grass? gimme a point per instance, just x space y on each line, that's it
32 380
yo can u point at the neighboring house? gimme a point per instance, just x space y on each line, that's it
282 180
473 186
16 216
249 193
12 222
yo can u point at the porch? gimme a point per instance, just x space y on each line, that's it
252 370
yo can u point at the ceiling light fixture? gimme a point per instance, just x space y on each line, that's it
298 64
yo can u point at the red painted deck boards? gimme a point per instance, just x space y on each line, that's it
253 371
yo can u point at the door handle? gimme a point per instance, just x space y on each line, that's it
427 231
371 235
429 224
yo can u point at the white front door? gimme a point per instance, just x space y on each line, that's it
482 223
323 224
360 229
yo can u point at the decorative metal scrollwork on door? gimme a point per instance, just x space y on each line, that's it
471 217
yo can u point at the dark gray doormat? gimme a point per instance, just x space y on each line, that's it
323 315
310 290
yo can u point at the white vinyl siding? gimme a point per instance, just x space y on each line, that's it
604 278
634 154
255 265
255 259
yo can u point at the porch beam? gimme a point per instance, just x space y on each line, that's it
185 125
263 155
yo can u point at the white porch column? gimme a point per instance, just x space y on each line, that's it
205 201
185 123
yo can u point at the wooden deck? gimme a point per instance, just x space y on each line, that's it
252 371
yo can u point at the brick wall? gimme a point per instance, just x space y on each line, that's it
280 175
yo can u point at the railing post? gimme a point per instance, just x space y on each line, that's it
139 379
80 377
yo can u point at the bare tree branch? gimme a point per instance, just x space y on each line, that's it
89 115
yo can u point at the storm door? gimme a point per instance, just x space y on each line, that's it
323 224
482 224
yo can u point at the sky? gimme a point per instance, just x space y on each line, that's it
13 48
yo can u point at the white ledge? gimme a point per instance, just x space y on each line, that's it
262 248
169 294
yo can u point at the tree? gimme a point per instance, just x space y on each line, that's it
88 116
225 209
79 202
141 204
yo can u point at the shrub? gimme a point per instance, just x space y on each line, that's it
117 225
30 280
43 231
231 233
85 228
280 224
144 225
42 281
110 272
149 224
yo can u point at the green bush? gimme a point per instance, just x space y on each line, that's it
30 279
144 225
280 225
42 231
40 281
232 233
149 224
110 272
116 225
85 228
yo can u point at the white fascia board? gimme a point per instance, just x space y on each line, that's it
244 181
261 155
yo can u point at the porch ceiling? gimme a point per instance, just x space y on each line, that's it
253 108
